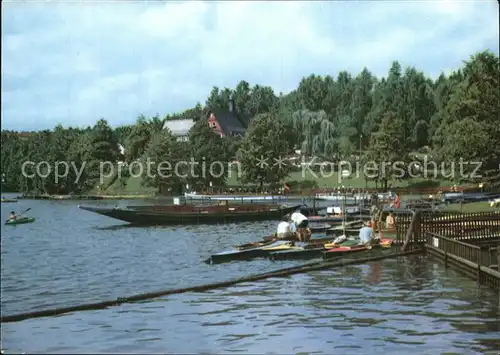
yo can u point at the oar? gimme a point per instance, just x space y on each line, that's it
21 213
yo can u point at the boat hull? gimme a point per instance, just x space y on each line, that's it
343 250
246 254
303 254
337 219
158 217
8 201
20 221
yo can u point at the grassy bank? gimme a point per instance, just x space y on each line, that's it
473 207
133 184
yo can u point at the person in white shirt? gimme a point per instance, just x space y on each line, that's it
300 225
299 219
284 230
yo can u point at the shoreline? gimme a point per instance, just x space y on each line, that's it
87 197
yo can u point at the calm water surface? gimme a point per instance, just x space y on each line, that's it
69 256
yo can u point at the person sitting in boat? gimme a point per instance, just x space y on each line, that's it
366 234
389 222
12 216
284 230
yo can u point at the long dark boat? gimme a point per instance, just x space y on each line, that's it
337 219
189 214
260 249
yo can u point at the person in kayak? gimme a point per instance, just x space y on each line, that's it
300 225
12 216
366 234
284 230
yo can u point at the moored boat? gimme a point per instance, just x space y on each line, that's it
195 196
343 250
337 219
281 250
8 200
247 253
190 214
22 220
331 250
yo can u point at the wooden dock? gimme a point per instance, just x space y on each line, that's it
468 242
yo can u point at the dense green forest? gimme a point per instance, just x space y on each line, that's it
394 118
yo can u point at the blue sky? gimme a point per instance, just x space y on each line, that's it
74 62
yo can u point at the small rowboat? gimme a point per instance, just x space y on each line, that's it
22 220
7 200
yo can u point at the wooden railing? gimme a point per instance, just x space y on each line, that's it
481 262
459 226
455 247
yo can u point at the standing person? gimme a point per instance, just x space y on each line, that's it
375 213
299 220
390 222
397 202
300 224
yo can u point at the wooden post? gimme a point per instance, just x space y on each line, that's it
411 229
498 257
479 266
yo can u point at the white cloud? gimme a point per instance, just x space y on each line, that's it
72 63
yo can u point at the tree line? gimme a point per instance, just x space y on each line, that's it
395 118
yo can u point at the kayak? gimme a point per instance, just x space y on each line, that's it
22 220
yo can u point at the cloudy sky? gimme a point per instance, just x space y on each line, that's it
74 62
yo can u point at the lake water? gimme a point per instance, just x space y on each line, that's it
69 256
